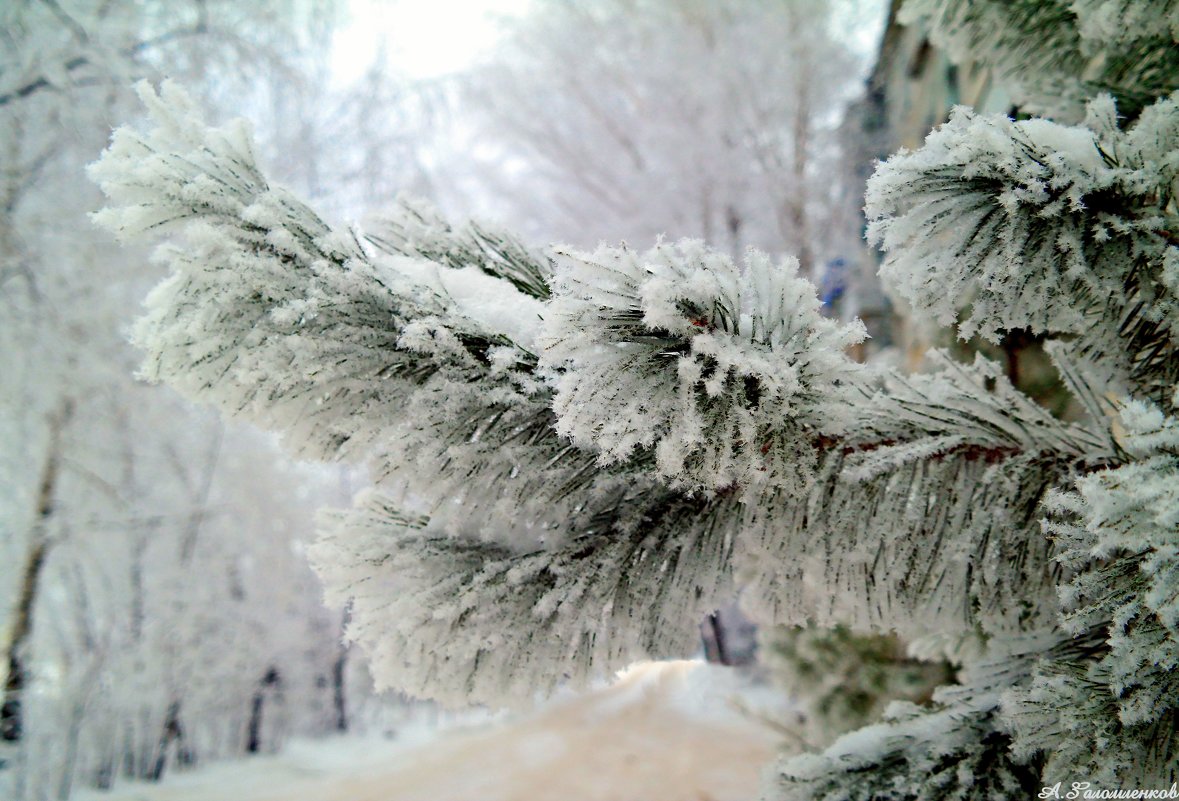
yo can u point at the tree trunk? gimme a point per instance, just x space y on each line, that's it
188 541
339 701
11 709
798 163
270 685
173 733
712 631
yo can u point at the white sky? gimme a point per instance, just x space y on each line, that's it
422 38
429 38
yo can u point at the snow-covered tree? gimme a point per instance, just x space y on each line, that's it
577 454
150 577
621 120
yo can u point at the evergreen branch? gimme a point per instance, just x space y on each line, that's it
716 425
1040 226
1082 48
415 228
271 313
723 374
462 620
1111 712
954 749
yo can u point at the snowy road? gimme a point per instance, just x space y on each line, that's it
663 732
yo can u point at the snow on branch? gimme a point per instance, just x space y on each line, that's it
1055 54
274 315
954 748
1034 225
466 621
1121 22
415 228
940 548
727 374
914 756
960 408
1111 713
990 212
923 517
425 368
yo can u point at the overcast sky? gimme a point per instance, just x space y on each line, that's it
429 38
423 38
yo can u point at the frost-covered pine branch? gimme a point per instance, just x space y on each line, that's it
422 368
1113 716
1056 54
671 371
277 317
952 748
1069 232
725 372
460 619
1061 230
414 228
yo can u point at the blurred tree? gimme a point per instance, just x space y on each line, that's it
633 119
136 620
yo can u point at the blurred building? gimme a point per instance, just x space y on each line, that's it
910 90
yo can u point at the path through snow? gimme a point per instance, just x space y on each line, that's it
669 731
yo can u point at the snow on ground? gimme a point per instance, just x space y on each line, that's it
669 731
